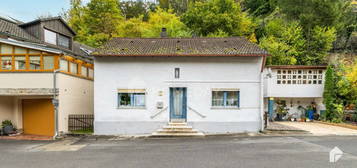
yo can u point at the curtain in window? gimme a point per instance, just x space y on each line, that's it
217 98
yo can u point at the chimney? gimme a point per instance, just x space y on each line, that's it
163 33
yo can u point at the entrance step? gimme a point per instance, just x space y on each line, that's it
177 129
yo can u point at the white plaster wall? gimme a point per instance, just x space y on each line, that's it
6 108
198 74
75 97
26 80
272 89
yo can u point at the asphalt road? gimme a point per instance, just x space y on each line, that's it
261 151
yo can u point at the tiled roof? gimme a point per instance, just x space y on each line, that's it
232 46
13 30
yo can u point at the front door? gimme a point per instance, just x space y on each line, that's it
178 104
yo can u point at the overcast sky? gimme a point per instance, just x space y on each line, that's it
27 10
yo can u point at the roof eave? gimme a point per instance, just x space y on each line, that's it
180 55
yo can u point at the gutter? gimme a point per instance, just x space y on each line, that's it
55 102
183 55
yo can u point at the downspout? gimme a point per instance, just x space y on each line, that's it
262 101
55 102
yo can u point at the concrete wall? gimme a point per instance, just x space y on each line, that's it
75 97
6 108
272 89
156 75
26 80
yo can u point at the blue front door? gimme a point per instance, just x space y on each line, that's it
178 103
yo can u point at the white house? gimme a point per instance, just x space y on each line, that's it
298 87
212 84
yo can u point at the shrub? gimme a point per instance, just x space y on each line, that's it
6 123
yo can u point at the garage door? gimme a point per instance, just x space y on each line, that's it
38 117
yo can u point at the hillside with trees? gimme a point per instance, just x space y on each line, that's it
301 32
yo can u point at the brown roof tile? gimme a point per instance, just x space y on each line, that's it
232 46
12 29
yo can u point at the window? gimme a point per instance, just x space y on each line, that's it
63 41
74 67
20 62
50 37
84 71
64 65
6 63
35 62
225 98
48 62
90 73
6 49
19 50
131 98
177 73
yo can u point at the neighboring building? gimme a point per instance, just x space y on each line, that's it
213 84
298 87
30 53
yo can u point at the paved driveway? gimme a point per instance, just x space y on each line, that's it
320 129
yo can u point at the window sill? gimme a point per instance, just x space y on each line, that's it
140 108
225 108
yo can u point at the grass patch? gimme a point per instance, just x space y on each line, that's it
83 131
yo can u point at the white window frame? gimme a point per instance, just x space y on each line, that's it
226 106
50 37
131 91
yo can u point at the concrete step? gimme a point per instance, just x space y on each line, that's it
177 127
156 134
177 131
177 124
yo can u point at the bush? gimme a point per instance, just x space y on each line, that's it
6 123
354 117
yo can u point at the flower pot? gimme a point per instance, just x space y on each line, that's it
8 129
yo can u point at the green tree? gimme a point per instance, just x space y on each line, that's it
321 13
329 92
164 19
135 9
133 27
334 107
318 46
284 41
211 16
259 7
103 16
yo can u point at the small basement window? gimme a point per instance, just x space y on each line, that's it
225 98
131 98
